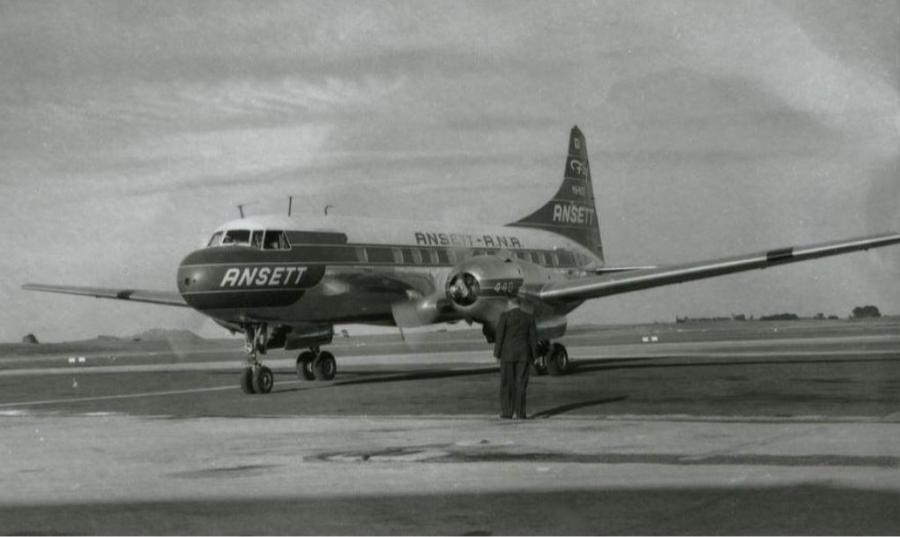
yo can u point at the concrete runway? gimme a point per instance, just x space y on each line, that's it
763 436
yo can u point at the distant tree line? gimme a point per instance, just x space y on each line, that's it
865 312
859 312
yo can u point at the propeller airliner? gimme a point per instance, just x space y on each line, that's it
285 281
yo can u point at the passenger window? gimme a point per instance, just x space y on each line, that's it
417 256
554 259
237 237
256 239
380 255
443 258
361 255
398 257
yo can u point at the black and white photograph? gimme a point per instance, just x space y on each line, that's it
408 267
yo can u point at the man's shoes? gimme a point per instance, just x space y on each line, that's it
505 417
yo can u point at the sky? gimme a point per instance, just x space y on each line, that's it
130 130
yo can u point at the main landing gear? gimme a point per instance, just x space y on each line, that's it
553 358
316 365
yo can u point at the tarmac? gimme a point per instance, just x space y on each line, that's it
775 435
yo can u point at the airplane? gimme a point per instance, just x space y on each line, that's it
284 281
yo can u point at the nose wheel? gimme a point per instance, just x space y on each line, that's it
316 365
256 378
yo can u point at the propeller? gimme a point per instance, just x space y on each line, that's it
421 311
463 289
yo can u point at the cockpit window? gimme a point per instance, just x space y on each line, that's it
276 240
236 237
214 240
262 240
256 239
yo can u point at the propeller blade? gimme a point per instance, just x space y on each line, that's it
420 312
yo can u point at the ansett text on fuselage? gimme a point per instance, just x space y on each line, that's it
426 238
262 276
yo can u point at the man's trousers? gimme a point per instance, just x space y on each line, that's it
513 384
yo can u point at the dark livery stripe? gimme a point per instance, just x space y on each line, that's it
781 254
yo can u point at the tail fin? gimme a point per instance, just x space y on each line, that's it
571 212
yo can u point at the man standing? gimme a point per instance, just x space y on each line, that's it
516 347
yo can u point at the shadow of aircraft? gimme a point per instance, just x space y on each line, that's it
377 377
602 364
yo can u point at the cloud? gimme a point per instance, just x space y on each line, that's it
761 42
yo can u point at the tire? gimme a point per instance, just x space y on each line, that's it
304 366
263 379
558 361
325 367
247 380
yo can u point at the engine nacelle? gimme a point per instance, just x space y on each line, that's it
480 288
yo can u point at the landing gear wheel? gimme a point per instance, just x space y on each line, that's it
558 361
263 379
324 366
305 365
308 371
247 380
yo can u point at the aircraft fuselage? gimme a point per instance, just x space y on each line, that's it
347 270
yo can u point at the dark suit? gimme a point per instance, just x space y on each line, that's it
515 345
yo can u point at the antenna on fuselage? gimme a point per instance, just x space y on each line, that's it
240 207
290 203
326 208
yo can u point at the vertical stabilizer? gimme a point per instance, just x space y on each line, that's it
571 212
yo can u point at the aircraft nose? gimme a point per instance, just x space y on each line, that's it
191 277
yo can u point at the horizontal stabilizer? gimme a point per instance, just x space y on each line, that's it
165 298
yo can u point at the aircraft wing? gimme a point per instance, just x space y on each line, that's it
646 278
166 298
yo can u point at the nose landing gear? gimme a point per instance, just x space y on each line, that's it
256 378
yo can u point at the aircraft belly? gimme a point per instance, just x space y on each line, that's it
314 307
